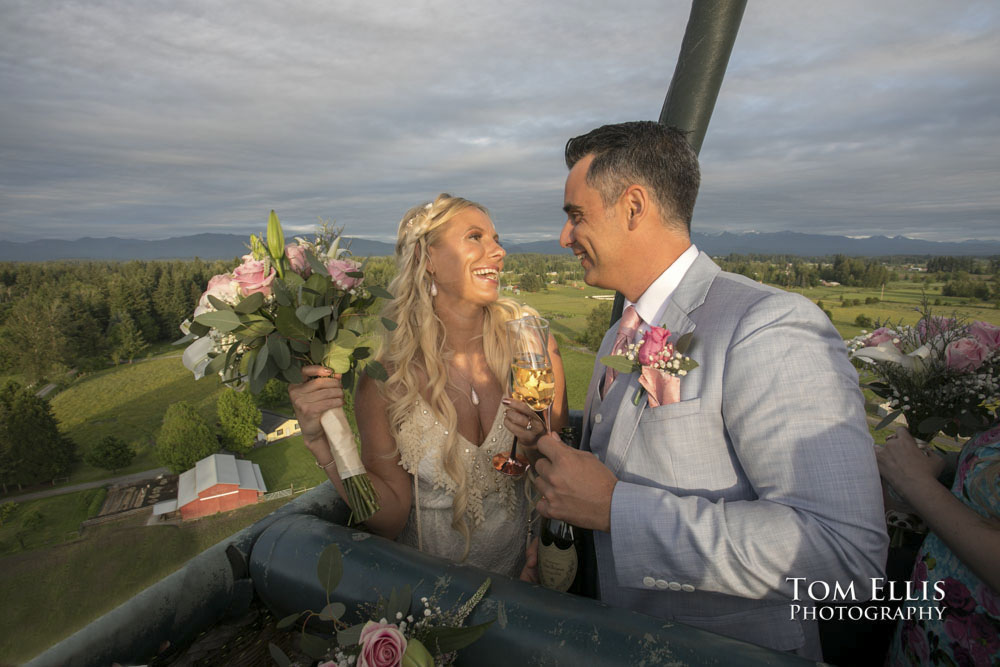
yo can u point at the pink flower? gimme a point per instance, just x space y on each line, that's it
879 336
986 333
254 275
653 344
988 599
382 645
222 287
914 640
965 354
957 596
339 268
296 255
934 326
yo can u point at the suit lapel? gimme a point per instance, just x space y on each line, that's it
688 296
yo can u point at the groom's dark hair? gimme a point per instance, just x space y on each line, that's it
642 152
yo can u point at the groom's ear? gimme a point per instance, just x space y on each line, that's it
637 205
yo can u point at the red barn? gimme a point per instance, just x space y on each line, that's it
217 483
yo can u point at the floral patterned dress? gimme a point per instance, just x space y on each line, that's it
968 631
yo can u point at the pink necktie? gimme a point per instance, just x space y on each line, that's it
627 327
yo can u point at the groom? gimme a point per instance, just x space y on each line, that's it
757 466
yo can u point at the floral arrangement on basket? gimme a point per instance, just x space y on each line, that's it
286 306
396 636
941 375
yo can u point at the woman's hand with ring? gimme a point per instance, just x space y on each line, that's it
521 420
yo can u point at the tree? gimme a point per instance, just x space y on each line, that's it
239 418
111 453
598 321
185 438
531 282
274 394
32 449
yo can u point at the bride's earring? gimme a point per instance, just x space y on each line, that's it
434 288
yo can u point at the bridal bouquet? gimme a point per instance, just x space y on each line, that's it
286 306
396 635
940 374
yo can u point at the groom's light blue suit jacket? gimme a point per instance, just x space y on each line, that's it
763 471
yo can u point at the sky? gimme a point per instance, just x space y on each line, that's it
166 118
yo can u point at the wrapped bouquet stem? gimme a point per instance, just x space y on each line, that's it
285 307
361 495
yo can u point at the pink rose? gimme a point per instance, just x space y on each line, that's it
957 596
382 645
965 354
879 336
222 287
254 275
339 268
296 255
988 599
986 333
653 343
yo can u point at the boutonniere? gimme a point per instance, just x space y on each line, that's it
661 363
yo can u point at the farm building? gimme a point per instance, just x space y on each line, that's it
274 427
217 483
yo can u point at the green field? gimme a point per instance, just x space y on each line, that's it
51 593
61 518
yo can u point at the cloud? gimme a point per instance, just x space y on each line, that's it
150 120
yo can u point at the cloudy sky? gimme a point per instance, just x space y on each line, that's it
170 117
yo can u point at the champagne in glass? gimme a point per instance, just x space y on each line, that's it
532 380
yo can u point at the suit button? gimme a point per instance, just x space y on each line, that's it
598 418
661 584
675 586
648 582
687 588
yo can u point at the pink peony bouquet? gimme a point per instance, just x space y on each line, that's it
400 637
660 363
940 374
286 306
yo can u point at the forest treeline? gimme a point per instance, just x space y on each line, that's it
59 315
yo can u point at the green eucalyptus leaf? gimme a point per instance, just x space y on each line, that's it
198 329
278 655
293 282
278 350
316 351
299 346
257 382
314 646
347 339
333 611
351 635
254 326
619 363
337 359
683 343
218 303
290 326
390 325
380 292
889 418
355 274
187 338
315 314
399 602
275 237
247 361
316 265
376 371
281 292
293 374
215 365
330 568
317 283
332 329
261 362
288 621
223 320
250 304
447 640
362 353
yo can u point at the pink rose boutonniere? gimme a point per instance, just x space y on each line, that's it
660 362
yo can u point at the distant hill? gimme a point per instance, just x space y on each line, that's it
229 246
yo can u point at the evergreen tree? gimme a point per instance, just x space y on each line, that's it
32 449
239 418
128 339
274 394
185 438
598 322
111 453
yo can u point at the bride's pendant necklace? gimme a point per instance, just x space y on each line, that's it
474 398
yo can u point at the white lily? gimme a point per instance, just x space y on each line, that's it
195 356
914 361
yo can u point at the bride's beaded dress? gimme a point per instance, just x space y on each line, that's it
497 511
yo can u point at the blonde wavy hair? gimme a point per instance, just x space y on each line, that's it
416 345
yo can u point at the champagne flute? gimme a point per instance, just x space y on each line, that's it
532 379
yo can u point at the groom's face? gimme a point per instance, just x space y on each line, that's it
594 233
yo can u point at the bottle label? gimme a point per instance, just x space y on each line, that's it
556 567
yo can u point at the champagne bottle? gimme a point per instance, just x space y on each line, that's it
557 553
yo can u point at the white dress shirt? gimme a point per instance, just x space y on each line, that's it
653 302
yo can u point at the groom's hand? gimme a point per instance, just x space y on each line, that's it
575 486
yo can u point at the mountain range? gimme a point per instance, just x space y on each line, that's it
229 246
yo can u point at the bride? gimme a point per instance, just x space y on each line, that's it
428 434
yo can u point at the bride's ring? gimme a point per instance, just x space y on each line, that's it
527 427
